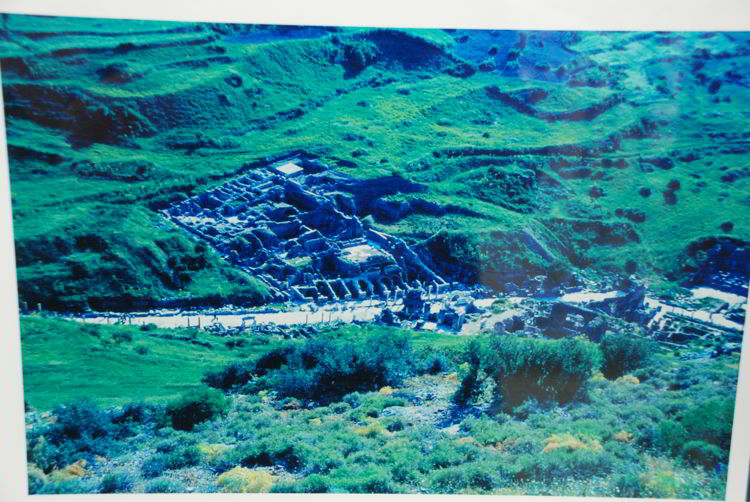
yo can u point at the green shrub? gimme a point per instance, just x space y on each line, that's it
81 429
196 406
325 370
314 483
154 466
362 479
471 382
542 369
340 407
174 441
395 425
64 486
79 420
448 453
164 485
186 456
484 429
283 450
669 436
476 476
622 354
434 363
564 463
628 485
353 399
141 350
710 421
122 337
702 453
374 483
116 482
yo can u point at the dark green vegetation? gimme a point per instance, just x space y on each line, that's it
544 152
326 370
527 368
663 430
622 354
195 407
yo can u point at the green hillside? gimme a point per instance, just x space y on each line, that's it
109 120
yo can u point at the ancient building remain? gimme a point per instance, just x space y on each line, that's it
293 226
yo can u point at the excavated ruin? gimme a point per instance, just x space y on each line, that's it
298 227
293 225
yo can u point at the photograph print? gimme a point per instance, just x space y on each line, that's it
326 259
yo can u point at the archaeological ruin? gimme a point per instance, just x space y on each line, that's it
293 226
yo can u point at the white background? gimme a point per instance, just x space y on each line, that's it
490 14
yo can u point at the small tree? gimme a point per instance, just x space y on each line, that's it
196 406
543 369
471 382
622 354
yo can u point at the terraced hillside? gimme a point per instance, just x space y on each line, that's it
570 154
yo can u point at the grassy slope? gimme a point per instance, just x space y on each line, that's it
63 361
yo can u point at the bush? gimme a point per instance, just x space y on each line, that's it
339 408
164 485
542 369
369 479
237 374
81 429
293 449
471 476
669 436
78 420
138 413
187 456
154 466
622 354
141 350
243 480
471 382
354 400
702 453
710 421
325 370
196 406
565 463
116 482
122 337
64 486
434 363
628 485
311 484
